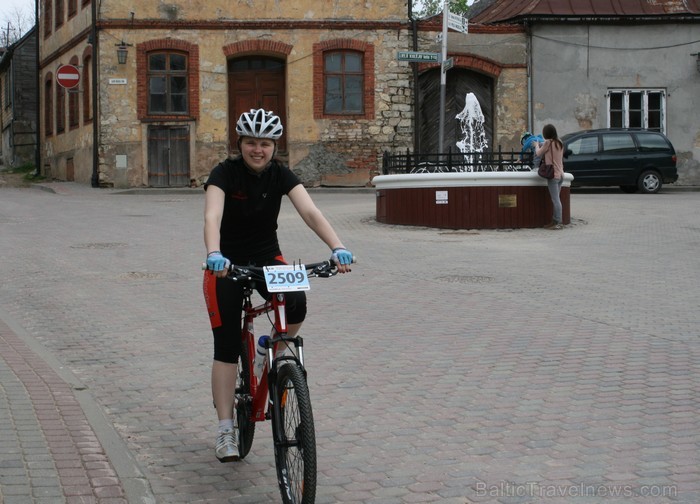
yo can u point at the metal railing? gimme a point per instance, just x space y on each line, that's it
490 161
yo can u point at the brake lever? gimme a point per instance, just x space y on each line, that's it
328 271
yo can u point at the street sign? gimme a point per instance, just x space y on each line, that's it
425 57
68 76
457 22
447 64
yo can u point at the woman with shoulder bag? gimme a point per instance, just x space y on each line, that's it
552 152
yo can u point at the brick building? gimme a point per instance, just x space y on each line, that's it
161 86
165 114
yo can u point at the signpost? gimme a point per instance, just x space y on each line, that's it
425 57
454 22
457 22
68 76
447 64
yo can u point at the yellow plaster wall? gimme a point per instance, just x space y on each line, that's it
255 10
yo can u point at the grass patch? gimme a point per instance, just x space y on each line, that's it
25 168
28 170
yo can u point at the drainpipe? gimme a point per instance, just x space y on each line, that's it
528 56
95 182
414 69
39 90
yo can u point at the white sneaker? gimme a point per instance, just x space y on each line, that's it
227 446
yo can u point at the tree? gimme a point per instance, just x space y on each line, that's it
13 25
427 8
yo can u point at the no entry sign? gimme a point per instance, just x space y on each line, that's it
68 76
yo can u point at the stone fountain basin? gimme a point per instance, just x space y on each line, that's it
468 200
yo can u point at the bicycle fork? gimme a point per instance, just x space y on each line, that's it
279 305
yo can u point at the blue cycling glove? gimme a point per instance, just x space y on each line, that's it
342 256
217 262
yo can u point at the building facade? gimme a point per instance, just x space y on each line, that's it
18 102
491 64
618 63
165 114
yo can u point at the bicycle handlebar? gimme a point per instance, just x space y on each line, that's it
323 269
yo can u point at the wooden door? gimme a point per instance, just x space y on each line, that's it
70 170
168 156
256 82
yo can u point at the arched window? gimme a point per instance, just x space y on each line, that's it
48 17
60 109
74 102
59 13
48 105
87 89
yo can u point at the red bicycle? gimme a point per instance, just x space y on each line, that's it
283 379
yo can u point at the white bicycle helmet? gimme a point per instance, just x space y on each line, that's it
259 123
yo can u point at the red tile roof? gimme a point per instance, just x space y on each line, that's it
498 11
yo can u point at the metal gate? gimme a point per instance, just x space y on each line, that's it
168 156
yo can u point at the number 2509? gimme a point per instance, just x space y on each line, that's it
284 278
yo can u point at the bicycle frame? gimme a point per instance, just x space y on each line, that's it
261 390
281 394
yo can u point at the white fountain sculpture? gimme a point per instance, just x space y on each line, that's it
471 119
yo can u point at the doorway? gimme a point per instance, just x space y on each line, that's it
256 82
459 83
168 156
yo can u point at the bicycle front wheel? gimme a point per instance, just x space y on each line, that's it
244 403
295 439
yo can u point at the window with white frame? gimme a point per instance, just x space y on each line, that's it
637 108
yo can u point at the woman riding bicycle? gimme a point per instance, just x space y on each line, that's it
242 203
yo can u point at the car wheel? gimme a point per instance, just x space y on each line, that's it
649 182
629 189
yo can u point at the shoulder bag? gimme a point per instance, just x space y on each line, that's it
545 170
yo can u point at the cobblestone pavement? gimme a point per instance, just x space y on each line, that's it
451 366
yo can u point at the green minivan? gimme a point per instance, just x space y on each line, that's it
634 159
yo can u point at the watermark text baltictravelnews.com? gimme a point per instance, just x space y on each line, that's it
536 489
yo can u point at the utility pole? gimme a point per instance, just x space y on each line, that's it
443 76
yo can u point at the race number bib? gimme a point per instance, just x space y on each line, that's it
286 278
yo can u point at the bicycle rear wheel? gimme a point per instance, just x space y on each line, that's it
295 439
244 403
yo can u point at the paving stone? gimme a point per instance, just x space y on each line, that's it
442 361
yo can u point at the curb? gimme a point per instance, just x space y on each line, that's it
133 481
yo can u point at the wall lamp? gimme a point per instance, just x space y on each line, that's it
122 52
697 59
